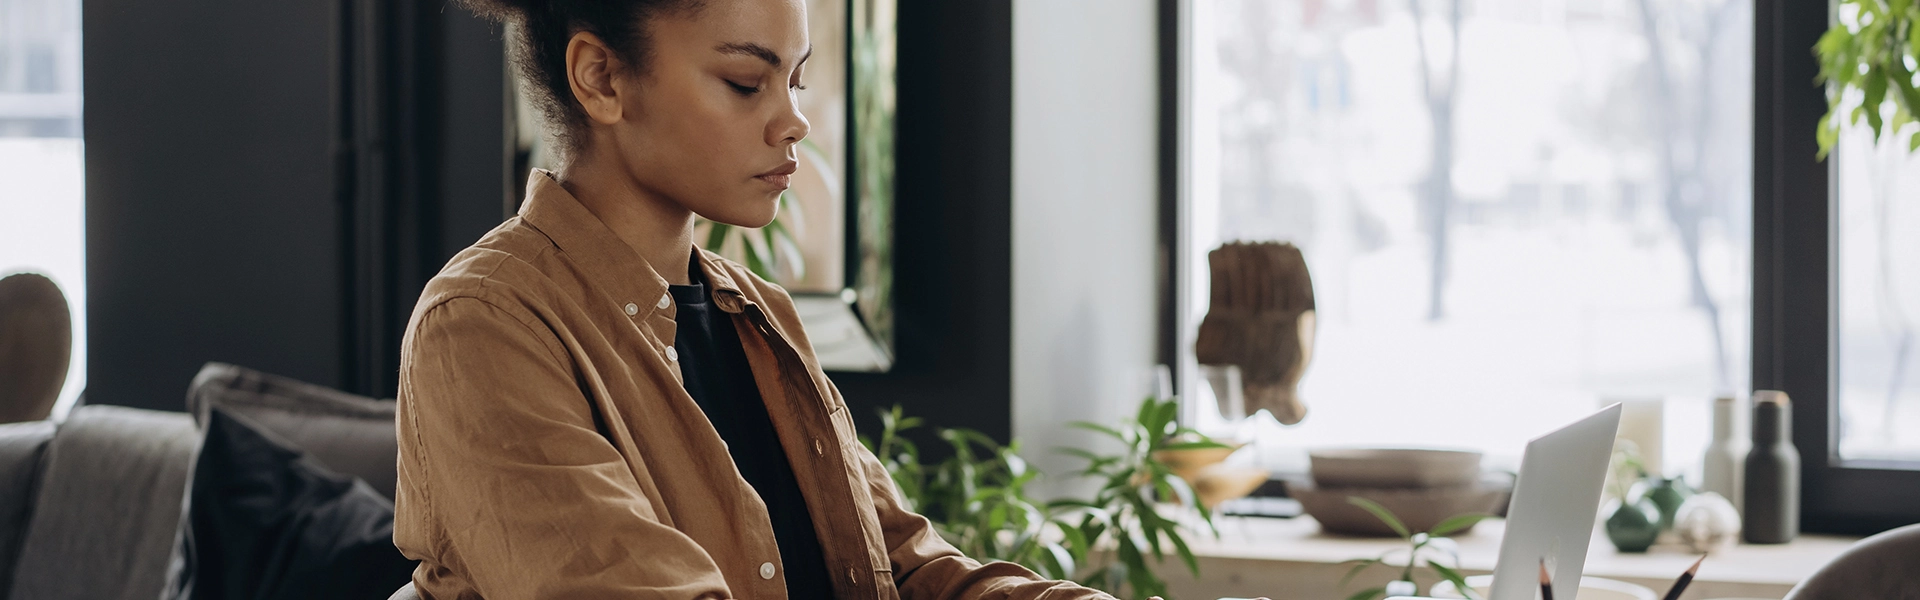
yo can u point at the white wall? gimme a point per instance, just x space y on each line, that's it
1084 209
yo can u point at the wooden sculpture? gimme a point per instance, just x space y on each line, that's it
36 343
1260 317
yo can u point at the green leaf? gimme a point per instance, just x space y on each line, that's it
1180 490
1076 542
1168 412
1096 427
717 236
1186 554
1459 583
1368 594
1876 95
1361 564
1381 512
1456 523
1060 560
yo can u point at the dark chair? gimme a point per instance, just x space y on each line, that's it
36 345
1882 567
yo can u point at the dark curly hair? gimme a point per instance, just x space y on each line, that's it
540 47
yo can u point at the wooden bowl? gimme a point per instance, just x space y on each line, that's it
1393 467
1418 508
1188 463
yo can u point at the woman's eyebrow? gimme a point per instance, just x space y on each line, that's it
758 51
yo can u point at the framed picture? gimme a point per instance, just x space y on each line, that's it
842 200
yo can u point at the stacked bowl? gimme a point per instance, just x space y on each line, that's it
1422 487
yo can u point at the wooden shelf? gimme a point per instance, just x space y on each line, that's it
1289 558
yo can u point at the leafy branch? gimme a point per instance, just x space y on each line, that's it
1873 50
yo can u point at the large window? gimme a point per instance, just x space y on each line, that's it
1877 295
1514 210
40 157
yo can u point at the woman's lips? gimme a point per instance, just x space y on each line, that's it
781 181
781 176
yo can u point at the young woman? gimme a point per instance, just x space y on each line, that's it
591 407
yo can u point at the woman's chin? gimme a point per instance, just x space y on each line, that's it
754 220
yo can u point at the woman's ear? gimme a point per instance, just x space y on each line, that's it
590 69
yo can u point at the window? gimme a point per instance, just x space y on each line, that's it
1513 210
1877 297
40 157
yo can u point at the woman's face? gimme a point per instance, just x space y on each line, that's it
712 122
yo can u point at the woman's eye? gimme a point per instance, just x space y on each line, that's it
744 90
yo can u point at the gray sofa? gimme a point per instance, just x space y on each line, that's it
90 507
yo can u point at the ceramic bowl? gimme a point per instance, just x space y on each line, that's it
1419 509
1591 588
1393 467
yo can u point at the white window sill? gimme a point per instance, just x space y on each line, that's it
1289 558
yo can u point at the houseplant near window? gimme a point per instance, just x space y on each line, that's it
977 500
1870 55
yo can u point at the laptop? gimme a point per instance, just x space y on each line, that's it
1552 512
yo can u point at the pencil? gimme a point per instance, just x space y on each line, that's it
1680 585
1546 582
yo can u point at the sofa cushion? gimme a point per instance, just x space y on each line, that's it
108 506
352 435
264 521
21 446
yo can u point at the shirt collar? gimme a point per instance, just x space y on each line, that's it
600 252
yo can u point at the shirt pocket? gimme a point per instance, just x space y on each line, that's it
843 429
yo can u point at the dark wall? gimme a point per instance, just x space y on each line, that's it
269 187
236 153
953 229
210 204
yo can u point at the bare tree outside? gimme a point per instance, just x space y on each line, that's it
1514 210
1690 193
1440 93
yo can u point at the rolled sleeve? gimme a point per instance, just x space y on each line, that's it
505 473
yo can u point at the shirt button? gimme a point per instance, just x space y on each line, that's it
766 570
673 355
632 309
665 301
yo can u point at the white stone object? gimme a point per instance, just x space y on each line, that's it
1707 523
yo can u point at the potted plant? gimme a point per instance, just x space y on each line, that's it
1423 548
976 498
1126 510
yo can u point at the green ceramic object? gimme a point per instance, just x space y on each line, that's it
1669 494
1634 525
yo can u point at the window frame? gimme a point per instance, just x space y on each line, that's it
1793 261
1795 276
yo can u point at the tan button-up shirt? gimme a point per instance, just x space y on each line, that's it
549 450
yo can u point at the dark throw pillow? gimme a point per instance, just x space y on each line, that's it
265 521
350 434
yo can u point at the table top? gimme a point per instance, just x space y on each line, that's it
1300 540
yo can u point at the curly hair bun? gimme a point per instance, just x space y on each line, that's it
503 10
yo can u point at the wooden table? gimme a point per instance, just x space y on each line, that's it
1288 559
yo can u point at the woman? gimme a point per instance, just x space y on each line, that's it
589 406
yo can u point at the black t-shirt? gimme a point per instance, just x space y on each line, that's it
714 367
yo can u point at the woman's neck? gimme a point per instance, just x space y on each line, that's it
657 228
